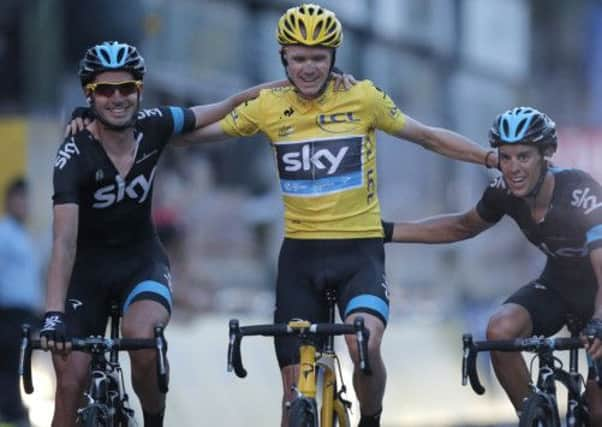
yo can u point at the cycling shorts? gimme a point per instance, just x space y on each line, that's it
117 275
549 309
354 268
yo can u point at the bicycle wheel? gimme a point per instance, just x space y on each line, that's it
94 417
538 411
302 413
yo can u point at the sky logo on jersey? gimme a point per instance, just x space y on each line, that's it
137 189
582 199
149 112
65 153
315 168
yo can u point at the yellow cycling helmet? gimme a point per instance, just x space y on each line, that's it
309 25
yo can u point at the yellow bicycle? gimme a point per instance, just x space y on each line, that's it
316 385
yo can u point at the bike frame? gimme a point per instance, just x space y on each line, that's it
106 392
317 369
548 373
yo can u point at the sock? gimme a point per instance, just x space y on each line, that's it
370 420
153 420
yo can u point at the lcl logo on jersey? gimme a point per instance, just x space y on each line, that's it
338 122
582 199
137 189
319 167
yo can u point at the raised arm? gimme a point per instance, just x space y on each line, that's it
445 228
446 143
210 113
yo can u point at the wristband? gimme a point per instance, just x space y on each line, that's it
489 153
388 230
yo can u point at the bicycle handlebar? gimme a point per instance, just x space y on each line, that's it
532 344
96 345
237 332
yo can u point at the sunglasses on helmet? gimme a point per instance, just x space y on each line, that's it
107 89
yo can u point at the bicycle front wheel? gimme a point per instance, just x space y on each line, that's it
94 417
538 412
302 413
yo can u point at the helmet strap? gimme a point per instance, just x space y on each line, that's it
542 175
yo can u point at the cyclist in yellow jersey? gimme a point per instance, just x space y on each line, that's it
325 150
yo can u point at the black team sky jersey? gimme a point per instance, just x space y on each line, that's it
571 228
115 210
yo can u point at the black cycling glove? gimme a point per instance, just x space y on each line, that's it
593 329
53 326
388 229
82 113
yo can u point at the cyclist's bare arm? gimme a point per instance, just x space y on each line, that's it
446 143
210 133
445 228
64 240
210 113
595 348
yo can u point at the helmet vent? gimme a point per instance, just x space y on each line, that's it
303 29
506 127
521 125
105 56
317 30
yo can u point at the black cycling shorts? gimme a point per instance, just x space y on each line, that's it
120 275
354 268
549 309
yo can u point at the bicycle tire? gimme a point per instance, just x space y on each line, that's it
94 418
538 412
302 413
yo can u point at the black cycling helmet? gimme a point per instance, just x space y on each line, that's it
524 125
111 56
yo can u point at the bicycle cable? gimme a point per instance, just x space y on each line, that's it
343 388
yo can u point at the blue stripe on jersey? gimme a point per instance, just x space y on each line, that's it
594 233
557 169
148 286
320 187
178 119
371 302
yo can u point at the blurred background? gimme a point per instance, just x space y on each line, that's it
450 63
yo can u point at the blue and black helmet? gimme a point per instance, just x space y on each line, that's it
523 125
111 56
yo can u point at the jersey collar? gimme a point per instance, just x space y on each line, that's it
304 105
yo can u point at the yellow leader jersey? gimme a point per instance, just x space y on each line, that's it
325 150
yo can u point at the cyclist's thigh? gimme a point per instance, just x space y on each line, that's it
87 304
545 306
593 395
145 277
364 288
296 296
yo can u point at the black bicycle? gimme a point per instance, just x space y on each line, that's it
540 408
107 403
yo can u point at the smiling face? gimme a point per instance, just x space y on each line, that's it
521 166
308 67
117 107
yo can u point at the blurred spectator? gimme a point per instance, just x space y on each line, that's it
188 294
20 298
